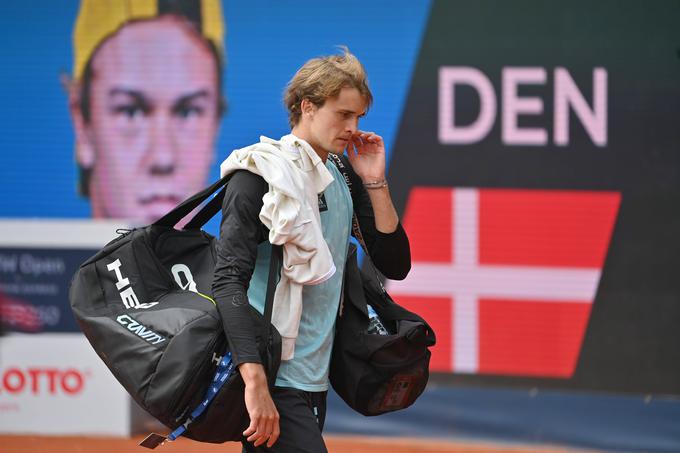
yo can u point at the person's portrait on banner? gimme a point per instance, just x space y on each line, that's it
146 102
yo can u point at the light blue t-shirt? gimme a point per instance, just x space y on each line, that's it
308 369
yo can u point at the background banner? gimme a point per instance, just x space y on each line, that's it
536 164
533 156
56 384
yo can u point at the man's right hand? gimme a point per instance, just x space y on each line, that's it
264 418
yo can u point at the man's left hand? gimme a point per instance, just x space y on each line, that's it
366 152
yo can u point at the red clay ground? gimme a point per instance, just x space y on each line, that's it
336 444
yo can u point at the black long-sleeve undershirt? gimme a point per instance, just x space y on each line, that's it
241 231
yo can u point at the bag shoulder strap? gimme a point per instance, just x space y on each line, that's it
207 212
355 220
184 208
342 167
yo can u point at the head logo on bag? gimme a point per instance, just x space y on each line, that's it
216 359
127 294
187 283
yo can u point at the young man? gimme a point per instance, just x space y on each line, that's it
146 103
325 99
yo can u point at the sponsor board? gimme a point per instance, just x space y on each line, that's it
56 384
37 260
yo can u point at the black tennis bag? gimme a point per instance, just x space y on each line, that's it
144 302
375 374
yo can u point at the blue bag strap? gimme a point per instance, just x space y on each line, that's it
224 370
226 365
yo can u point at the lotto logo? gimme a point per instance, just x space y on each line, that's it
38 381
506 278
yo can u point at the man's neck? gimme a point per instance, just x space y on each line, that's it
300 133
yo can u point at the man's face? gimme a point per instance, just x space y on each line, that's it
332 124
154 120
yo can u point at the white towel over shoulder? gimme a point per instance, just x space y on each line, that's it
296 175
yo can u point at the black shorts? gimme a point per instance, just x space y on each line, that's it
302 415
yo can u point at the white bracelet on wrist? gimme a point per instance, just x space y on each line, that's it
376 184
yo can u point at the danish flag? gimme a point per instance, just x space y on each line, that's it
506 278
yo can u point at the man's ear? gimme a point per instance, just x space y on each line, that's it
307 107
85 155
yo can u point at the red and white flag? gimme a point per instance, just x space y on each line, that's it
506 278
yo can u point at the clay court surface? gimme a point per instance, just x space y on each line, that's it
336 444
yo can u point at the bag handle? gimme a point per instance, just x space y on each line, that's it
184 208
207 212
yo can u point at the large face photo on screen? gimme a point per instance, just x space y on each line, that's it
145 100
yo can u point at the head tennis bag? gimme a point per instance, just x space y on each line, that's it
375 373
144 303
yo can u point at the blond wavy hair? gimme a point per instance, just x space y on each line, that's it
322 78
